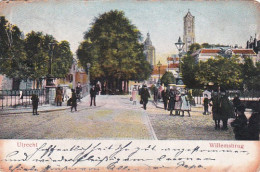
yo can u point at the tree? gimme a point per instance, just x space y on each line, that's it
189 67
221 71
193 47
168 78
250 74
37 47
12 55
112 47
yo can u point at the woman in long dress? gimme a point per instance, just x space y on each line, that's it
185 104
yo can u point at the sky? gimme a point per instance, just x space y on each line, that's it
216 22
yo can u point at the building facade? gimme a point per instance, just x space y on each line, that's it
189 30
149 51
204 54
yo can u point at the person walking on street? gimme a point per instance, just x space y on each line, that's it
172 97
144 96
185 104
206 105
134 94
35 101
78 91
73 100
226 109
240 124
215 103
58 97
236 104
93 94
165 97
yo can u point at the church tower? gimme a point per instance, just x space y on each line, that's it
189 30
149 51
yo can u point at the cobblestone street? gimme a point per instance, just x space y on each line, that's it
114 117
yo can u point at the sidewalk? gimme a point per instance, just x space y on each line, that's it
43 108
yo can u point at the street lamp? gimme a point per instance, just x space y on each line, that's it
179 46
159 66
88 72
49 80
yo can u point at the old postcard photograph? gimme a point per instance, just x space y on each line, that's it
131 85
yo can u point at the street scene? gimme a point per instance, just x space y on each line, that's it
74 70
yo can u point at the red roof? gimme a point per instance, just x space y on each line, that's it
243 51
162 70
170 58
210 51
173 65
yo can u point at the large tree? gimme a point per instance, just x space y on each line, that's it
12 55
189 67
221 71
112 47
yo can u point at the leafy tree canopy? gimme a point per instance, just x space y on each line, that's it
112 47
168 78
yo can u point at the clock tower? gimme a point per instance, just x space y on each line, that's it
189 31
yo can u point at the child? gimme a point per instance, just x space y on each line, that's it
35 101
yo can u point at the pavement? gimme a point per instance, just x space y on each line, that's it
114 117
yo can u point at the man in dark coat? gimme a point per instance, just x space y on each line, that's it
226 109
216 109
93 94
206 105
236 103
172 96
35 101
165 97
144 96
240 124
73 100
78 91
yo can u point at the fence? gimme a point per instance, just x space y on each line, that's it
243 95
15 98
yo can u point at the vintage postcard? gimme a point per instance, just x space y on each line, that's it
132 85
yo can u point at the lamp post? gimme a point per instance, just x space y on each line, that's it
159 66
179 46
88 72
50 86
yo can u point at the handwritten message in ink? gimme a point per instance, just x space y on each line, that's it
120 155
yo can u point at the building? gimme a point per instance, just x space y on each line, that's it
173 65
149 51
254 44
204 53
155 74
189 30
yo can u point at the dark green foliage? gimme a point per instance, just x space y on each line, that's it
112 47
168 78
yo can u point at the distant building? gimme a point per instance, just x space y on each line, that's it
173 65
149 51
189 31
204 54
254 44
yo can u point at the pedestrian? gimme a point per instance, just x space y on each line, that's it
185 104
206 105
144 96
165 97
134 94
240 124
226 109
155 94
236 103
172 97
177 106
73 100
78 91
254 123
215 103
35 101
58 97
93 94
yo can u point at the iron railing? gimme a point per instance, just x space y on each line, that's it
16 98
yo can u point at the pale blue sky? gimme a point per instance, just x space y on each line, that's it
229 22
